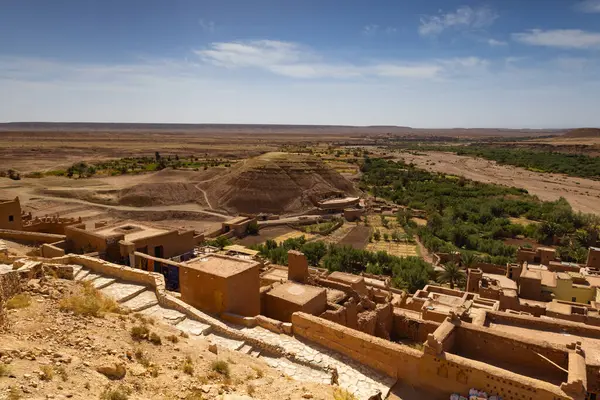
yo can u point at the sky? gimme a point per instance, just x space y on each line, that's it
419 63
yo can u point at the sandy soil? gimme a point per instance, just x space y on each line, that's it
72 347
582 194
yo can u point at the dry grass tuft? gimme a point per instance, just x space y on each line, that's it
259 372
220 367
188 366
119 393
47 373
155 339
20 300
140 332
342 394
63 373
90 302
4 370
172 339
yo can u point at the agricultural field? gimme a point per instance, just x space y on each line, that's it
389 236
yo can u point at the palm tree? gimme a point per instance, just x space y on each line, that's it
452 274
468 260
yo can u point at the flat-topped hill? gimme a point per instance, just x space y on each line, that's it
583 133
277 183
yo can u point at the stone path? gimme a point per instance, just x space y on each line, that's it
310 362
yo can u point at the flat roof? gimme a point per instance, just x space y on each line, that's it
503 281
296 292
133 231
275 274
219 265
345 277
241 249
236 220
340 201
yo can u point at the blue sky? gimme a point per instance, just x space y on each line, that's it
421 63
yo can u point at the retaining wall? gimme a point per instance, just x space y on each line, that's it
30 237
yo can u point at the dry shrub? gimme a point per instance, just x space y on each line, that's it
172 339
20 300
89 302
154 371
47 373
188 366
4 370
63 373
155 339
342 394
259 372
140 332
220 367
119 393
194 395
250 389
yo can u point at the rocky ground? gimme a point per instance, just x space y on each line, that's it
47 352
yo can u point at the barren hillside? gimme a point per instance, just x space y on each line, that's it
582 133
277 183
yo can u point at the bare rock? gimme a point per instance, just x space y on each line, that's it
114 371
213 348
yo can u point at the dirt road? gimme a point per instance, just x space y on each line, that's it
582 194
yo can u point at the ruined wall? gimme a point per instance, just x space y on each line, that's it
29 237
543 324
51 251
81 241
450 374
10 215
9 286
413 329
508 352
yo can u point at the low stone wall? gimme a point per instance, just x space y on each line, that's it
30 237
9 286
51 251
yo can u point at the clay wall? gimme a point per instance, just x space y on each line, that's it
541 324
172 242
49 225
51 251
556 266
237 294
450 374
353 214
10 215
530 288
593 259
509 352
413 329
491 268
29 237
526 255
81 241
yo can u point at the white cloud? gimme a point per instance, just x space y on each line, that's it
464 18
207 26
561 38
496 43
296 61
589 6
373 29
370 29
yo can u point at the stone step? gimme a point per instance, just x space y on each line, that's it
121 291
90 277
255 353
76 269
82 274
167 314
222 341
246 349
102 282
142 301
193 328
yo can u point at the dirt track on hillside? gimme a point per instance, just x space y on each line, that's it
582 194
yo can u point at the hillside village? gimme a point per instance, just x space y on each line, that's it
330 293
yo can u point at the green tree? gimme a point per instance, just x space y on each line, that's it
452 274
468 259
377 235
252 228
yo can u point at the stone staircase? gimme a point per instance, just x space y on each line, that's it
310 363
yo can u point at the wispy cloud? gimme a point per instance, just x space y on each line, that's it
560 38
207 26
589 6
374 29
296 61
464 18
496 43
